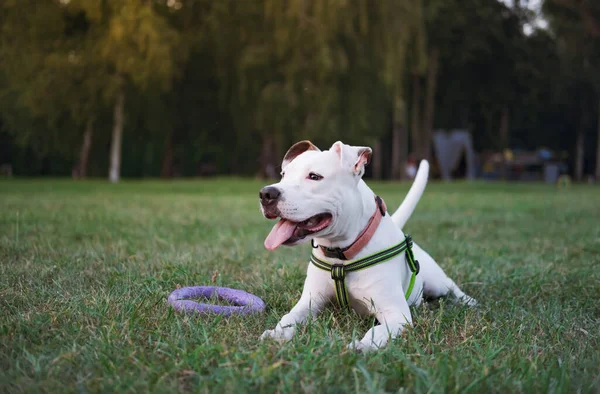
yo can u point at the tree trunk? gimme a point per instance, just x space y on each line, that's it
117 137
395 150
415 131
504 118
167 163
399 139
377 159
84 153
267 169
429 109
598 147
278 151
579 157
403 149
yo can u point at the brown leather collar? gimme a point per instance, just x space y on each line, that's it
349 252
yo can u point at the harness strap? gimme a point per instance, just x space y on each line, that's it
338 271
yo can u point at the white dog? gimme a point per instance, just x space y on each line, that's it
322 198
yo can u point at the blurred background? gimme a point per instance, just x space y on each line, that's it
182 88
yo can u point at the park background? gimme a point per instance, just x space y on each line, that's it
209 95
183 88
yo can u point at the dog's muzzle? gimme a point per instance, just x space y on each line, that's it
269 197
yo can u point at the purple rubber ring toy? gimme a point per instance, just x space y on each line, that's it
244 303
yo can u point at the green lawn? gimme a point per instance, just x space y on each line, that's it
86 269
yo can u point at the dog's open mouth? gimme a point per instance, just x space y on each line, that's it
287 232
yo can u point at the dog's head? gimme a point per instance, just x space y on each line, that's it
316 191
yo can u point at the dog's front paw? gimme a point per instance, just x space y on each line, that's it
278 334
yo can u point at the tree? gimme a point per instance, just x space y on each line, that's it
397 36
44 57
138 48
308 67
476 86
195 87
577 26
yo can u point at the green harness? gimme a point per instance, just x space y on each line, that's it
338 271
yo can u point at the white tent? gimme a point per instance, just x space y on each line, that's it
449 149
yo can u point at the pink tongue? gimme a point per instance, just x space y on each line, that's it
281 232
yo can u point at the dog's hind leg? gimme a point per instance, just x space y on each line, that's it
436 283
457 294
442 287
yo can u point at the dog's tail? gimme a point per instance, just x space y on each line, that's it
402 214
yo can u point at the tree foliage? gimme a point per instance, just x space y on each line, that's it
226 86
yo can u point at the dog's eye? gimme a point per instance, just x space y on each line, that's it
282 175
314 177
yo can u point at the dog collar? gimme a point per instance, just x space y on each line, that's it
349 252
338 271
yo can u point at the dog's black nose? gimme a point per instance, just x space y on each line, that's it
269 195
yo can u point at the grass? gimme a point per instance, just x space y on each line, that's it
86 268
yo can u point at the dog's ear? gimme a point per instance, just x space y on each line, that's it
354 157
296 150
364 157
